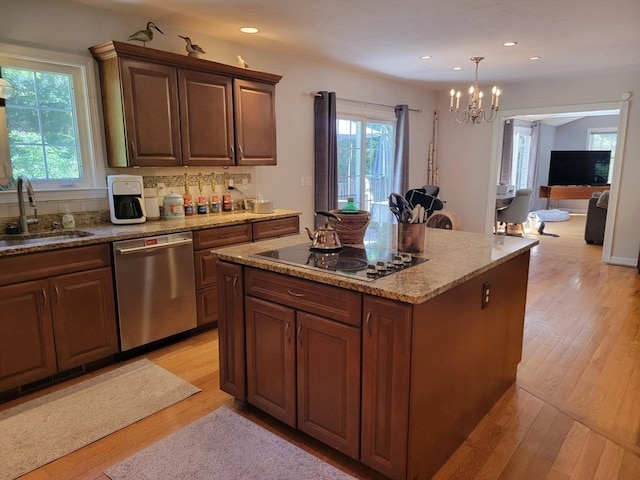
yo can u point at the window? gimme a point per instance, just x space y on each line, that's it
603 139
49 120
365 161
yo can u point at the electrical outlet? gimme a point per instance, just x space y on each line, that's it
302 181
486 289
308 181
245 181
160 187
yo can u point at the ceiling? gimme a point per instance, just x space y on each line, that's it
389 37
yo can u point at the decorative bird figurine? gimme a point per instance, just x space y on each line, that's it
241 63
193 50
145 35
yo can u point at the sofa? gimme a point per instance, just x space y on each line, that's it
596 218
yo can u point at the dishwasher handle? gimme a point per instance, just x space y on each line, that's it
157 246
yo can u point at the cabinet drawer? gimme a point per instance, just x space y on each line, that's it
218 237
275 228
331 302
31 266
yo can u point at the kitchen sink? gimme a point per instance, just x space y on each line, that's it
40 238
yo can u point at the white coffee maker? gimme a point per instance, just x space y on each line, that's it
126 199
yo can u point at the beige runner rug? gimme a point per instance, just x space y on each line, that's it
224 445
44 429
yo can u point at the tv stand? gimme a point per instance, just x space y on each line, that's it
569 192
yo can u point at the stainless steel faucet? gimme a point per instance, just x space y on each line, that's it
24 221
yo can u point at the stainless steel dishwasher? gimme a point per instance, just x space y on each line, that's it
155 288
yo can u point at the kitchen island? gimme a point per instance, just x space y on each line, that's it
393 372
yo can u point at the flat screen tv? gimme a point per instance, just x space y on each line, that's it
579 167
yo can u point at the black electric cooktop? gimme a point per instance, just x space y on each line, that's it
348 262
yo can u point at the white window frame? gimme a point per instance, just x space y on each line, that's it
87 105
596 130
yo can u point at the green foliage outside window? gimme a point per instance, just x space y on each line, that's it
43 139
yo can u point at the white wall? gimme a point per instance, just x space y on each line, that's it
73 28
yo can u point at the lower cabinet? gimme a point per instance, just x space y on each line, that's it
207 304
386 357
305 371
55 323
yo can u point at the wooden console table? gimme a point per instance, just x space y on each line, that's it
558 192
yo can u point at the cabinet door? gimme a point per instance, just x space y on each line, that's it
271 369
27 351
206 118
84 322
231 331
207 305
255 123
328 364
205 267
386 356
152 119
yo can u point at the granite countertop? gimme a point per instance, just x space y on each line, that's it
105 233
453 258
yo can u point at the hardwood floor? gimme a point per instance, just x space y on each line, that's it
574 412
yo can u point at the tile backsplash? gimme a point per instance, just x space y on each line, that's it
93 211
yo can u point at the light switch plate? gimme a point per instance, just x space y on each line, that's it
160 187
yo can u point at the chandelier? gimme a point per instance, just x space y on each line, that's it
474 113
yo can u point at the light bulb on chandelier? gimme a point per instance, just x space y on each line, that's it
474 113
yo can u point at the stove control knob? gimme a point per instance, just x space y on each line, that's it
371 270
381 267
397 261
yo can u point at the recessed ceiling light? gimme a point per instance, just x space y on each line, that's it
426 57
510 44
535 58
249 30
457 68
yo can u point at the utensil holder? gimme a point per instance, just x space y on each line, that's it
411 237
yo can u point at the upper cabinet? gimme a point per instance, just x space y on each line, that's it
165 109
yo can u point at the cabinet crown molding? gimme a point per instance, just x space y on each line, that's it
113 49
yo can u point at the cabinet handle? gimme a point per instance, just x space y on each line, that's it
224 235
44 298
133 150
286 330
235 282
299 335
367 322
240 153
294 294
57 291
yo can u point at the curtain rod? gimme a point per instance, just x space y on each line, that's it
316 94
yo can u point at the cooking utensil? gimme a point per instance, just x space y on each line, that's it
325 239
429 202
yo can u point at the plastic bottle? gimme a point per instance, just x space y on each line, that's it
67 219
350 207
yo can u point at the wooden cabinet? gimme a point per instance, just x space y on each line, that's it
255 123
277 227
50 324
231 331
386 354
303 368
165 109
206 268
151 134
205 263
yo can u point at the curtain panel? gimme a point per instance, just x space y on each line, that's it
325 154
507 153
401 157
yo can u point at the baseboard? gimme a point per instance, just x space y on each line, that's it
623 261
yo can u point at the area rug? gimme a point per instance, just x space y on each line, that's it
46 428
552 215
224 445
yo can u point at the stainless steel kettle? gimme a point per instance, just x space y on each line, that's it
325 238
